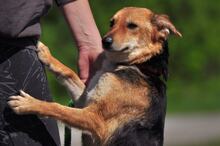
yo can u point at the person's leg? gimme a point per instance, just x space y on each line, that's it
23 70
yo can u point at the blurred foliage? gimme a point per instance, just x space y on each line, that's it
194 79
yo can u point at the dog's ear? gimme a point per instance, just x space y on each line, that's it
164 27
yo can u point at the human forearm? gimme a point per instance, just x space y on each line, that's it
82 25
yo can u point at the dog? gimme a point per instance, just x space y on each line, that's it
124 103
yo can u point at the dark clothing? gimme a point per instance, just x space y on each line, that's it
62 2
21 69
21 18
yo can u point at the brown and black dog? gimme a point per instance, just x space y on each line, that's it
124 104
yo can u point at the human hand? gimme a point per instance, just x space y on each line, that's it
86 62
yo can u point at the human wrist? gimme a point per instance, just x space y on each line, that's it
89 46
90 51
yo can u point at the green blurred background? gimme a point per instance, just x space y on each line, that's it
194 78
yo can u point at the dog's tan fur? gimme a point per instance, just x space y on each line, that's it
113 97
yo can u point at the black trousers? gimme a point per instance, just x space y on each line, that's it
21 69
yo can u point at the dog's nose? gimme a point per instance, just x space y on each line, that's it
107 42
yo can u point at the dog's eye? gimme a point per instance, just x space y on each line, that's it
131 25
112 22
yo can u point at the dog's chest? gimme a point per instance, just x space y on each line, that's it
108 81
99 86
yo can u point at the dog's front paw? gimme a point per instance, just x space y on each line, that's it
43 53
23 103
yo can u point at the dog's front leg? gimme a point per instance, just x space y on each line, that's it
64 74
84 119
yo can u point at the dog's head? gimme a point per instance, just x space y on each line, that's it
136 35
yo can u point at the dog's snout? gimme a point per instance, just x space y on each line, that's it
107 42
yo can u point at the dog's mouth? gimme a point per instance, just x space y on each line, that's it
124 50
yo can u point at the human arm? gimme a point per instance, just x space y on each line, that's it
88 40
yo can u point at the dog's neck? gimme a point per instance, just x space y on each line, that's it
157 65
149 70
